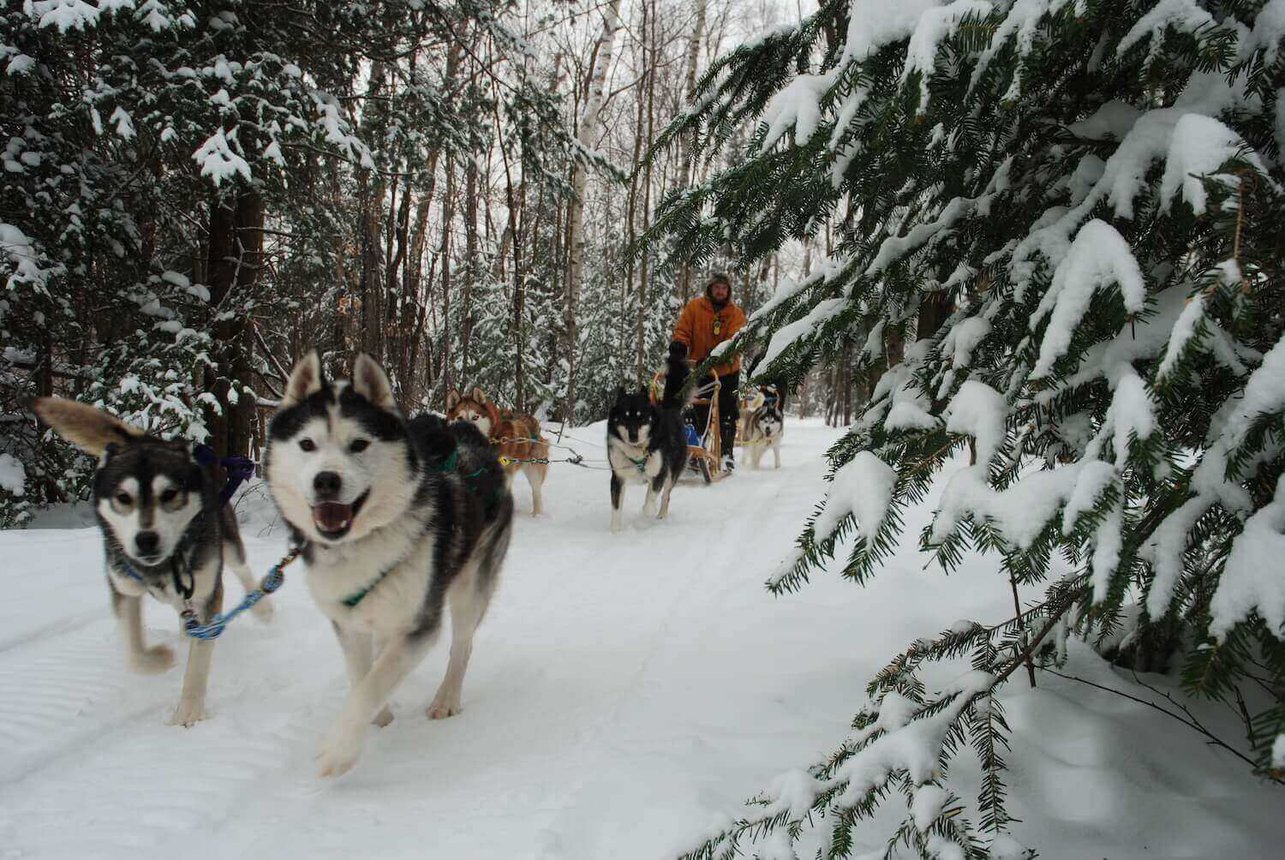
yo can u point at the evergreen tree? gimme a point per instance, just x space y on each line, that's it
1057 226
195 192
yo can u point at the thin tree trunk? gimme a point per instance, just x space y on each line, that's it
472 268
576 241
685 144
649 79
372 190
444 258
235 257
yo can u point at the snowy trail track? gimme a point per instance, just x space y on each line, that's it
625 691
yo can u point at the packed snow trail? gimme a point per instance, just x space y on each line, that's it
626 692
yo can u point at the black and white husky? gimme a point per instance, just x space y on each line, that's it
646 443
165 534
396 520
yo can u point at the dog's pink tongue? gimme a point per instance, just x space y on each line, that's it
331 516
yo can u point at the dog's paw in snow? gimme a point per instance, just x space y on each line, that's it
383 718
152 661
187 714
339 752
444 706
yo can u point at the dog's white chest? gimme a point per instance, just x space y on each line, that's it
356 592
635 465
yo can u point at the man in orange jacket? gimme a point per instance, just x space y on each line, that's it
706 322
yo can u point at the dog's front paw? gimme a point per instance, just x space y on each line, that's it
187 714
339 752
649 510
152 661
383 718
443 707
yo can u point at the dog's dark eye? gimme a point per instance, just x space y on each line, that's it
307 445
123 499
168 496
358 445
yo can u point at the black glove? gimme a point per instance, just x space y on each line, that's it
677 349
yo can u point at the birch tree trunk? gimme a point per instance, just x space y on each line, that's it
649 53
685 144
589 124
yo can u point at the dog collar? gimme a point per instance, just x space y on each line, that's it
182 590
356 597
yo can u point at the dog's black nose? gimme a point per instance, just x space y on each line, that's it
147 542
327 484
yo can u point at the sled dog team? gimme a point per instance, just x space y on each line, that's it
397 520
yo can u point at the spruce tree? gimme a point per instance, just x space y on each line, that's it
148 149
1058 228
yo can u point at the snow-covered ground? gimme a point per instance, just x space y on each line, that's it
625 691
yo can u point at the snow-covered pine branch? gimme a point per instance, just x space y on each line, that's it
1057 244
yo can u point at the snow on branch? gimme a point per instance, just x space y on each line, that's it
1099 256
1200 146
861 488
934 26
1251 579
798 105
1182 15
979 411
218 161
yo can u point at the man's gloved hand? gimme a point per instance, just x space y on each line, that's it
677 349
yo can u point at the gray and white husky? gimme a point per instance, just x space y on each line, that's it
396 521
763 424
165 534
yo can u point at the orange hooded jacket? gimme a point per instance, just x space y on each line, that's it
701 328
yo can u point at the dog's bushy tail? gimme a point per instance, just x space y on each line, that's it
675 379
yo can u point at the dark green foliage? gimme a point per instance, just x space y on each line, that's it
956 219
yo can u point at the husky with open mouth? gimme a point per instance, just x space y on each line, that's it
165 534
397 520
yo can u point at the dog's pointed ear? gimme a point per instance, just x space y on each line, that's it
305 379
370 381
452 399
479 395
89 429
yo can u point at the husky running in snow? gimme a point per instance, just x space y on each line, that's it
396 520
165 534
646 443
